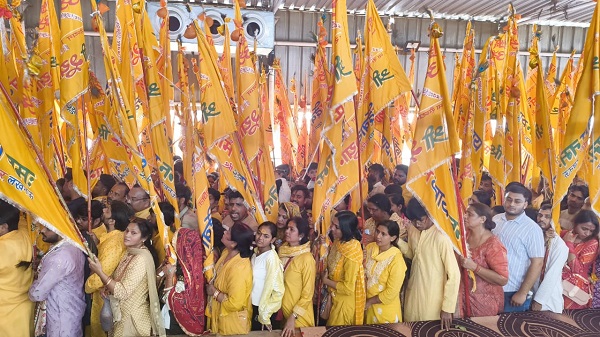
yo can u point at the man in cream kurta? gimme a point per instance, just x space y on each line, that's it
434 281
548 290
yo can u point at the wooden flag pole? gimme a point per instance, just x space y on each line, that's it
463 239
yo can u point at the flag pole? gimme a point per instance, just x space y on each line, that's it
87 164
40 160
463 239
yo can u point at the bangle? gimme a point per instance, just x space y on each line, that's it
477 269
108 282
216 294
295 315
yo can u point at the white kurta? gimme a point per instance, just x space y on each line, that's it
548 293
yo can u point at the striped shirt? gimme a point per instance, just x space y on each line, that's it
523 239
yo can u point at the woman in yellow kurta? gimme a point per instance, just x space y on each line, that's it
110 250
230 308
380 208
298 277
385 270
134 300
16 275
345 276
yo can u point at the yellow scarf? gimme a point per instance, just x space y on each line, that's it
352 251
144 214
288 251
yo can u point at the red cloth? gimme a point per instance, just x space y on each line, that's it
188 305
579 270
488 299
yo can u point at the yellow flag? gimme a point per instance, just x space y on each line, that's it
586 104
249 114
165 71
9 76
550 80
224 62
218 124
73 84
202 203
19 52
187 126
561 103
383 81
267 116
47 83
544 151
24 183
429 178
483 101
359 60
289 140
463 90
466 174
124 134
337 172
156 117
320 91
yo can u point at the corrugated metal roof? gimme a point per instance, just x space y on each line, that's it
553 12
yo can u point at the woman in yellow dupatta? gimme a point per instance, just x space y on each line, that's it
132 284
230 308
385 270
345 276
298 277
287 210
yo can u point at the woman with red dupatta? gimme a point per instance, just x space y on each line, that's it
583 248
186 293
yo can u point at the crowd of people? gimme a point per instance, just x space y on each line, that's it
387 263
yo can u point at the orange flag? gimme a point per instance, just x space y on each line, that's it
435 141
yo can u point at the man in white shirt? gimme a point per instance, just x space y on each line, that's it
524 242
548 290
283 187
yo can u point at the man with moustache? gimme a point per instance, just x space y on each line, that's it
118 192
239 212
548 290
59 287
524 242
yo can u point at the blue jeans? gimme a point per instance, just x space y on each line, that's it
510 308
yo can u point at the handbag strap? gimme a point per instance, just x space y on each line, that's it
287 263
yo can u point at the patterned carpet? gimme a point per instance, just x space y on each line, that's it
573 323
576 323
